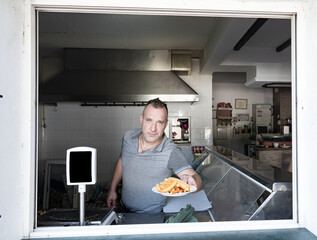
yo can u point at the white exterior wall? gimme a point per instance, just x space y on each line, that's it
18 110
307 116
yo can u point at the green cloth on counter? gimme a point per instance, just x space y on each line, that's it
184 215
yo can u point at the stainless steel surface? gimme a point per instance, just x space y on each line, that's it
117 59
262 117
117 86
282 186
70 217
181 62
99 76
82 209
277 206
142 218
111 219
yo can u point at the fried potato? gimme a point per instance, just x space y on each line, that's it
173 185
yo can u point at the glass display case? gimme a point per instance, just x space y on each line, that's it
240 189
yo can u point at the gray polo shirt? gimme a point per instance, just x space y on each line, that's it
142 171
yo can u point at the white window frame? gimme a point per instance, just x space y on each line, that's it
179 227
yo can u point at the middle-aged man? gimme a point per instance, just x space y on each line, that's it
147 158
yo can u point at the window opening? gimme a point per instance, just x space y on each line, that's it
68 124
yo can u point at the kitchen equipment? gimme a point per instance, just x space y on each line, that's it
116 76
179 129
276 144
262 117
70 217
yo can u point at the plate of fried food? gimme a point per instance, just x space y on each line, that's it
173 187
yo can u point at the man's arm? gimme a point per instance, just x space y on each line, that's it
191 177
116 179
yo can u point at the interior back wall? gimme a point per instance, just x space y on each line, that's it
228 92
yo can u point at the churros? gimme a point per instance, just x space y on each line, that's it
173 185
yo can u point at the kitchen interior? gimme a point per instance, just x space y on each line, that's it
227 84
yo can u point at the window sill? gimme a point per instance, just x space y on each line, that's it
175 229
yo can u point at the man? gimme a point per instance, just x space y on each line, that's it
147 158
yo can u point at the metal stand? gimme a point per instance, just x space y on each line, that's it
112 218
82 190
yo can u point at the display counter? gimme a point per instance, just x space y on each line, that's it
242 188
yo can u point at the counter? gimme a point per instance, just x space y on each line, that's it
280 157
238 187
110 216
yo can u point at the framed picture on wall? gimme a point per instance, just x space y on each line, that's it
241 103
243 117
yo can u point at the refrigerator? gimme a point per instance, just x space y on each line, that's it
262 115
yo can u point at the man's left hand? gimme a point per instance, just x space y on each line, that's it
191 177
189 180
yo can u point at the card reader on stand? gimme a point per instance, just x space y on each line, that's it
81 170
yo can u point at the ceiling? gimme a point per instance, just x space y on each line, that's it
210 39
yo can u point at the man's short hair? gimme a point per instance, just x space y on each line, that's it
156 103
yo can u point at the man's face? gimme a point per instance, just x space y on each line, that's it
154 122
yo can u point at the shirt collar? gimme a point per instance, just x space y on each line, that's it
158 148
137 133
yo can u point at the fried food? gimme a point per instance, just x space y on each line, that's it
173 185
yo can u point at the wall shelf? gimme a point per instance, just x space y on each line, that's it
224 113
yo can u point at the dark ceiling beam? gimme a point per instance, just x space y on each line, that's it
284 45
251 31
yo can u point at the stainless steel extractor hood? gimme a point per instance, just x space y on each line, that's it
116 76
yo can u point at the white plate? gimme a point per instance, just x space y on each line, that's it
285 146
192 189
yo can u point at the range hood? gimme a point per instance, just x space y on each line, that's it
116 76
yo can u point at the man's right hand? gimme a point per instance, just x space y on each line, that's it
112 199
116 179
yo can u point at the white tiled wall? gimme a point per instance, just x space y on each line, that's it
70 125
